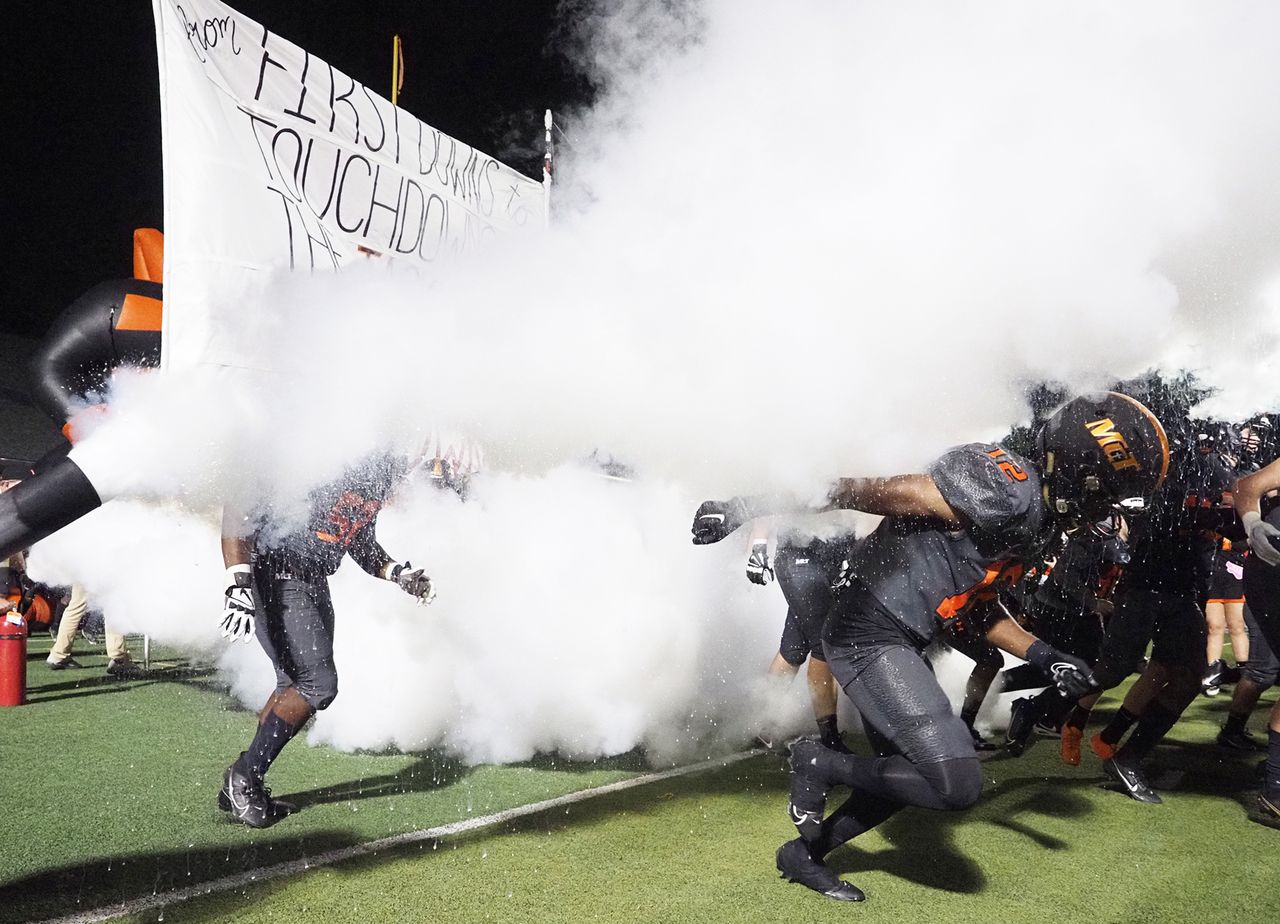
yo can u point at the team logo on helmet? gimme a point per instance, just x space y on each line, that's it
1115 449
1100 453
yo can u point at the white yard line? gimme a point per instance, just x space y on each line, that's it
262 874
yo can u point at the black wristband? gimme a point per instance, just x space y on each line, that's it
1041 655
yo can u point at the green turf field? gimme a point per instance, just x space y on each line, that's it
111 799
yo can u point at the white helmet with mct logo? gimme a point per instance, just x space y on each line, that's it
1099 453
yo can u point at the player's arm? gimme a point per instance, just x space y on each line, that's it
373 558
899 495
1264 539
237 553
1072 676
237 542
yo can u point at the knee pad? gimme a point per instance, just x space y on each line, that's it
794 656
958 781
320 689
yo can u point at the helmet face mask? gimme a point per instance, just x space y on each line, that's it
1101 454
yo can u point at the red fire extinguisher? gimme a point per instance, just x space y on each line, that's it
13 659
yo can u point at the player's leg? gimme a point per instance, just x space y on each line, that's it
1123 644
1179 651
805 580
1262 589
1258 675
1237 630
295 628
1215 617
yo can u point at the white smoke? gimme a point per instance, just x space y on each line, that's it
799 242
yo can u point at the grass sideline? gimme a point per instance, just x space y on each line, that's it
112 787
1045 842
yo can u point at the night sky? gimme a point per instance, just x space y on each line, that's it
82 158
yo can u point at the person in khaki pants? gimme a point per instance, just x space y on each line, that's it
120 664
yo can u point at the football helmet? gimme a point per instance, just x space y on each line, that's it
1099 454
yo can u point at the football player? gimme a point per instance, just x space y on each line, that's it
805 567
1159 602
1262 589
949 538
278 591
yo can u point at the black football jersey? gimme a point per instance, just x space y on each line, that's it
929 576
342 516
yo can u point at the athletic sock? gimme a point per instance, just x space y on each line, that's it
1079 717
272 735
1152 727
1271 770
1052 705
829 732
1116 728
856 815
1235 723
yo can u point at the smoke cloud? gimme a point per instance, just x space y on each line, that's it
792 243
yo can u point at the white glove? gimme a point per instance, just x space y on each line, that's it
412 581
1264 539
237 607
758 570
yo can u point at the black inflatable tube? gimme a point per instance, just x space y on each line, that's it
83 347
43 504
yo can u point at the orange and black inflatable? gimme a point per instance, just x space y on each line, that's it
114 324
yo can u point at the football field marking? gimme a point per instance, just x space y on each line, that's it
329 858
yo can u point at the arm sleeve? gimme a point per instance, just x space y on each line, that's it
978 489
365 551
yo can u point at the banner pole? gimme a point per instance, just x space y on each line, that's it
395 68
546 172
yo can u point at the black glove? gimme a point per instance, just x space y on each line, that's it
1069 674
412 581
717 519
758 570
237 604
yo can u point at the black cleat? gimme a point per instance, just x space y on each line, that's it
980 743
808 787
250 802
62 665
796 864
1022 726
1266 811
1132 779
1240 741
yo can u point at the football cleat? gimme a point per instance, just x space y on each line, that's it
980 744
1240 741
1070 745
1100 747
796 864
1266 811
249 801
808 787
1022 725
1132 780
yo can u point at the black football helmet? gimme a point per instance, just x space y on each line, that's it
1099 454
